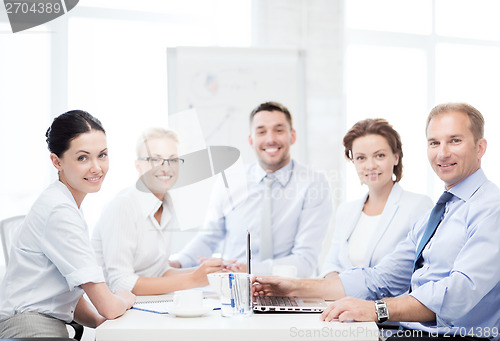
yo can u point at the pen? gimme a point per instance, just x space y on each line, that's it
231 277
237 293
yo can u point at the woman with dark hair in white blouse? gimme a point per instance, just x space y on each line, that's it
52 263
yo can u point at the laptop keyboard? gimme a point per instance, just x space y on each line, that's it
277 301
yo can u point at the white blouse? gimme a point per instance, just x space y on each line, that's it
51 256
361 238
128 241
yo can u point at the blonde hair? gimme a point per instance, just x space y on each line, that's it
154 133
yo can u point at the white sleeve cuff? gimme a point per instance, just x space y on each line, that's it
84 275
124 283
186 261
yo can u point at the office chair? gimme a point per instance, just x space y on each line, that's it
7 229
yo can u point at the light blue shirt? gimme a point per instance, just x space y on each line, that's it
50 258
460 277
301 212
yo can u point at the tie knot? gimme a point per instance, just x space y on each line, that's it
269 179
444 198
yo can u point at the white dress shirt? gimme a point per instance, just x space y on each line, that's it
128 241
301 214
51 256
401 210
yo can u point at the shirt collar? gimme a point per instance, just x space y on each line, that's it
147 202
282 175
466 188
67 192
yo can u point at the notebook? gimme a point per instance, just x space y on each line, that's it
283 304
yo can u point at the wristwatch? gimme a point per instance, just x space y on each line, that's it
382 311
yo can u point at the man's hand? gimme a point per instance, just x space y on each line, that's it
235 267
273 285
350 309
226 263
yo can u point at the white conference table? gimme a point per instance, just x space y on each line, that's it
141 325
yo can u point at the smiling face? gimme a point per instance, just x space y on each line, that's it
84 165
158 178
374 161
451 149
271 137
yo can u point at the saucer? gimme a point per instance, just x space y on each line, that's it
182 312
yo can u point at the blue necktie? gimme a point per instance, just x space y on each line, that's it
432 224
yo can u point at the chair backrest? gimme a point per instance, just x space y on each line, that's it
7 229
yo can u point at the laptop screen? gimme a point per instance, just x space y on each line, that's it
249 254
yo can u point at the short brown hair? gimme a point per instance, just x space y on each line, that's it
376 126
476 119
272 106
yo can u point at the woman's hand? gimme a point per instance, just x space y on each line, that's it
209 265
127 297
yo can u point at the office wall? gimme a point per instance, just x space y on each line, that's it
100 60
316 28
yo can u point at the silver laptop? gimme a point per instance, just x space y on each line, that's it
283 304
290 304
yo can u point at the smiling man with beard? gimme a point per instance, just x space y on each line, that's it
286 208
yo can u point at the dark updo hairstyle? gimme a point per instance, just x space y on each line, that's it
377 126
69 126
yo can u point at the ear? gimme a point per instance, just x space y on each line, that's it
397 160
142 167
137 166
481 148
250 140
56 161
294 136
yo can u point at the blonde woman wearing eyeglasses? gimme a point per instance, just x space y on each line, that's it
133 236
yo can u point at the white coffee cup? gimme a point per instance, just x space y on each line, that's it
285 271
188 299
214 280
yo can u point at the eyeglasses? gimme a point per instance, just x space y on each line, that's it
156 161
